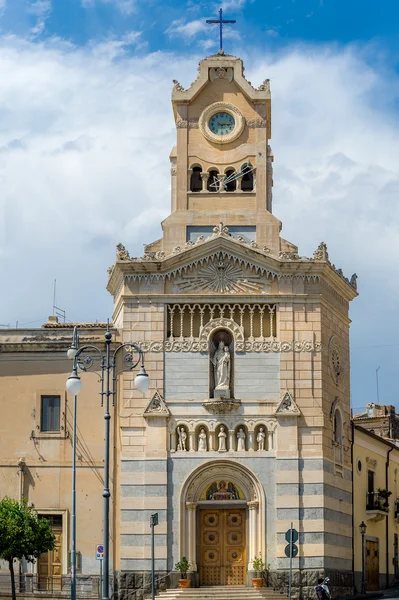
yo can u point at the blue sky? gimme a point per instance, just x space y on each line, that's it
271 23
86 122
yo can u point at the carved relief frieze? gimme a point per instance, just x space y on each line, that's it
221 276
195 345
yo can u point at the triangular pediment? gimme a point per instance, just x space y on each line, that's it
156 407
287 407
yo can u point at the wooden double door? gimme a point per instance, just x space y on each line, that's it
222 546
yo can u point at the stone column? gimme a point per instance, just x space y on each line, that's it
173 440
251 437
189 173
270 444
238 184
253 532
192 440
211 441
231 439
205 177
191 534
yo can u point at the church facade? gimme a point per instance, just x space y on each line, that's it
248 426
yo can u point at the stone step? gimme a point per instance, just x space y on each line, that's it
220 593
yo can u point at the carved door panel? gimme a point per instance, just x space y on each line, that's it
49 567
372 566
222 547
234 547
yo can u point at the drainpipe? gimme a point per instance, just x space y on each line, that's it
21 469
353 504
386 521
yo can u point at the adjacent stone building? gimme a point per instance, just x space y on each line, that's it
246 428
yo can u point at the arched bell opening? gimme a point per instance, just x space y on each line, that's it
231 185
195 179
213 181
247 180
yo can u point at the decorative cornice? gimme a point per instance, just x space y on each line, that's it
196 345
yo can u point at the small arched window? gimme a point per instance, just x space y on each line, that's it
338 438
231 186
196 181
247 181
213 181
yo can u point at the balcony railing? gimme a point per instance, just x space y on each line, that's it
377 501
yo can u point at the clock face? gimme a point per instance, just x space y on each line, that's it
221 123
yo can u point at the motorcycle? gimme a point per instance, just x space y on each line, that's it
322 590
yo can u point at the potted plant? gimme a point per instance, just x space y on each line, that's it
258 566
183 566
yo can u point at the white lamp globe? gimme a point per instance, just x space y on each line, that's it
72 352
142 381
74 384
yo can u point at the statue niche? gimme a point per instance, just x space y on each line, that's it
221 365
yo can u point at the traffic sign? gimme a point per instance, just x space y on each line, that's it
291 550
99 552
294 536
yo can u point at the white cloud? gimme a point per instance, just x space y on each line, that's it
84 146
127 7
41 9
3 4
187 30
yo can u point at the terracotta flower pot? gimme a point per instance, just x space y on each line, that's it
184 583
257 582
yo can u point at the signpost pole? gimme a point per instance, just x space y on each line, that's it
152 560
101 576
153 522
290 580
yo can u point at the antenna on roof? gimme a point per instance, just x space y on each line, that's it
57 312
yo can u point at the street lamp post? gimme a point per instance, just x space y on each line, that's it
363 528
108 378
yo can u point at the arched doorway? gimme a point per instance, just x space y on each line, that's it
222 522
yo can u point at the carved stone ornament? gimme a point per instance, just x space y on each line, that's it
220 406
288 407
156 407
225 107
216 73
181 123
335 360
221 469
220 276
353 281
256 123
177 87
321 252
265 86
200 345
122 253
288 256
371 462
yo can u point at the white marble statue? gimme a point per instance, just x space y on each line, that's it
222 439
202 446
181 445
260 438
222 365
240 439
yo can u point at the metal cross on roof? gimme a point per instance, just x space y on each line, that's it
220 21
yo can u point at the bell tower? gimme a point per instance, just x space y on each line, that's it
221 166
